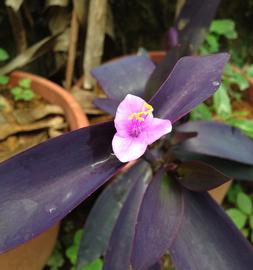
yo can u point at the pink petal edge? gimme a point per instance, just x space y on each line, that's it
157 129
128 148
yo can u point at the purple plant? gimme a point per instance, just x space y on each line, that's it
158 205
150 208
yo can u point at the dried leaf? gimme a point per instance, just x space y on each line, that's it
29 54
5 105
61 3
59 20
16 144
81 10
26 116
85 99
14 4
10 129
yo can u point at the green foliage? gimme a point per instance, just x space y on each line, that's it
249 71
221 101
94 265
241 211
251 222
25 83
233 192
3 55
244 203
56 260
237 217
224 27
219 28
72 251
4 79
22 91
233 77
233 82
246 126
201 112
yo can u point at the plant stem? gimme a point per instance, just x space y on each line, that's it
95 39
74 27
18 29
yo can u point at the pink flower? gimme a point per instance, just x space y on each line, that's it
136 128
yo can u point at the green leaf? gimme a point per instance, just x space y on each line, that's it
4 79
246 126
201 112
94 265
213 43
25 83
231 35
56 260
71 254
251 222
245 232
250 71
228 69
27 95
237 217
240 80
233 191
3 55
17 92
251 237
221 101
223 27
72 251
244 203
78 236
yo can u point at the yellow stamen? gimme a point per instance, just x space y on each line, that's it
138 114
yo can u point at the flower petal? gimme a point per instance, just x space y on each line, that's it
128 148
128 105
157 129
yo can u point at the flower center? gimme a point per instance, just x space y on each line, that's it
144 112
137 119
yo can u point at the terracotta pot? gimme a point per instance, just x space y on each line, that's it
33 254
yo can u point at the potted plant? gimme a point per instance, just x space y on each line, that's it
161 202
34 254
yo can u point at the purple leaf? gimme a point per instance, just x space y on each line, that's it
218 140
158 221
127 75
156 266
120 246
106 104
171 38
191 26
198 176
194 20
192 80
207 239
104 214
163 70
179 137
43 184
234 170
